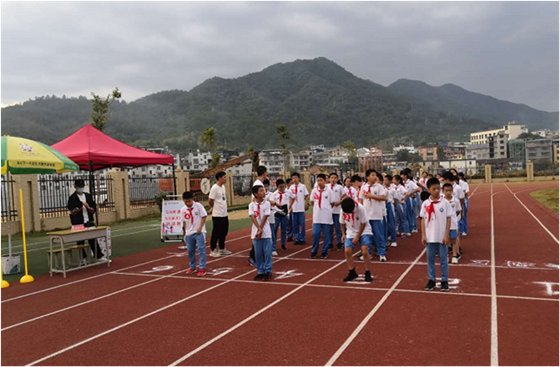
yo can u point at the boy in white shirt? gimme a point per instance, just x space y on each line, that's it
463 225
411 191
358 232
298 209
436 216
259 211
282 199
337 192
220 223
272 218
372 196
391 220
400 194
322 216
262 174
454 228
194 216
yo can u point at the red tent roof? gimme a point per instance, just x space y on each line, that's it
89 144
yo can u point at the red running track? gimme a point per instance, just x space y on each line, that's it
307 315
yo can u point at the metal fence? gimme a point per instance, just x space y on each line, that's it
54 191
145 190
9 211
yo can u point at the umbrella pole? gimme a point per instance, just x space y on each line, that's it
26 278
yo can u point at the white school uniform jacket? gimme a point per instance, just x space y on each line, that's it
259 211
354 220
282 198
456 206
465 186
322 209
400 192
337 192
351 192
192 217
436 220
374 208
458 191
300 192
410 186
270 197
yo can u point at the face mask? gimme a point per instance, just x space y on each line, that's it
80 190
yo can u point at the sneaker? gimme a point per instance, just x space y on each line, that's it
267 277
459 255
361 257
190 271
84 262
324 256
201 273
367 277
414 231
430 285
214 253
444 286
258 277
313 256
393 244
406 235
284 247
274 253
464 234
382 258
351 276
454 260
225 252
252 263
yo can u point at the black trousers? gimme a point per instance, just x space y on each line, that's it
92 243
220 228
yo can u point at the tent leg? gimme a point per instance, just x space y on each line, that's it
174 179
92 191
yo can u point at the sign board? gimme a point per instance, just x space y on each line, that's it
205 186
105 245
171 222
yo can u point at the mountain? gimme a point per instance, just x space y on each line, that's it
319 101
457 101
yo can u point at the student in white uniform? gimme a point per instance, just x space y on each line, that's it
282 199
337 192
220 223
357 229
298 208
322 216
194 216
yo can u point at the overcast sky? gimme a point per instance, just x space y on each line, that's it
507 50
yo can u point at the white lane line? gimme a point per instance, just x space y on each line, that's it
364 322
112 272
533 215
366 288
246 320
171 275
100 275
75 345
107 295
494 302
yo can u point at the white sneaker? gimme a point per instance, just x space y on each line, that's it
225 252
382 258
84 262
414 231
274 253
393 244
454 260
361 257
464 234
214 253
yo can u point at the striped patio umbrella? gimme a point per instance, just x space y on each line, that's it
25 156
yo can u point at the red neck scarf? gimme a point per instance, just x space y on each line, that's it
319 197
191 215
351 216
280 198
431 209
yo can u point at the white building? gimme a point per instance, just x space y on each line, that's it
273 160
197 161
408 148
512 130
477 151
302 159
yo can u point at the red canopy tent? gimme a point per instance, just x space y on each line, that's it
91 149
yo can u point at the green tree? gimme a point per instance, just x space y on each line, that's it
208 140
100 108
284 135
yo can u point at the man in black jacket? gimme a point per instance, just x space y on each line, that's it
82 210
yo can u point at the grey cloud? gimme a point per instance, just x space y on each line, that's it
507 50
